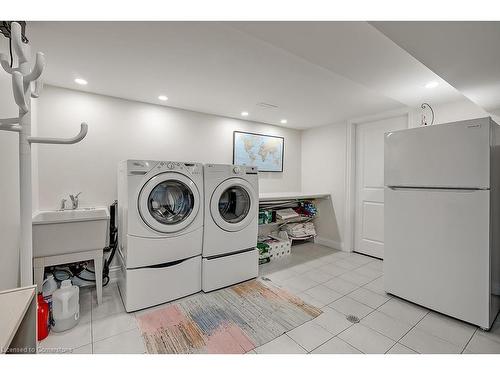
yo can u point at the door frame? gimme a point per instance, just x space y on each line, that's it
350 170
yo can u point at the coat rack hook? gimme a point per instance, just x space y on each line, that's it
62 141
18 88
4 61
19 47
36 88
37 70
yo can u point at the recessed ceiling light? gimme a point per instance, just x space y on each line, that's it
284 121
244 114
163 98
431 84
81 81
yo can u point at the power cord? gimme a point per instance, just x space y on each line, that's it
10 52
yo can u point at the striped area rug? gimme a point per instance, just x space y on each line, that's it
231 320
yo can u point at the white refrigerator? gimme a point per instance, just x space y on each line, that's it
442 218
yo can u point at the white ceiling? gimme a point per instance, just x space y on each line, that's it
358 52
317 73
466 54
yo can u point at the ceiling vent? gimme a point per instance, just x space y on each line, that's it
267 105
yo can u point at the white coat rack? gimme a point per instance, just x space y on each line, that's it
26 84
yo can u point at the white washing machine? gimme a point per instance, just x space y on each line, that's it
160 228
231 225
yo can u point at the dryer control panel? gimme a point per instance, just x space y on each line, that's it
231 169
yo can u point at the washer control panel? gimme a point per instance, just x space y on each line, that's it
193 168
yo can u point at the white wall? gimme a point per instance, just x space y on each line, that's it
9 191
121 129
323 170
324 161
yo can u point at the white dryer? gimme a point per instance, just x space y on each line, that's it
231 225
160 228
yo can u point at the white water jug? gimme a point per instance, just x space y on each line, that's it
65 306
49 287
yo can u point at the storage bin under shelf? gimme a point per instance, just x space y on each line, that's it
279 246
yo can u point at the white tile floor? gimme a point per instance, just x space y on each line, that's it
339 283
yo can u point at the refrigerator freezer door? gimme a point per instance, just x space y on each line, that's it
437 250
449 155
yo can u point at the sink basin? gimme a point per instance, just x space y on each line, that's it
69 231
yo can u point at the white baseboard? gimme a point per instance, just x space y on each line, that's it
329 243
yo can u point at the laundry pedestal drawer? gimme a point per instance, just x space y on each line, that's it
230 269
150 286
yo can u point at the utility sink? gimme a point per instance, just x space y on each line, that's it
69 231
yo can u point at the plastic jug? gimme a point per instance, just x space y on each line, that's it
65 307
49 287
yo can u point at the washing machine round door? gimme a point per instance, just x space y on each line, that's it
233 204
169 202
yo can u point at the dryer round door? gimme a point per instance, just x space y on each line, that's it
233 204
169 202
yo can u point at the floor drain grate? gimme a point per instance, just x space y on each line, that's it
352 318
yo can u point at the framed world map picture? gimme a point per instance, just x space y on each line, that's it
262 151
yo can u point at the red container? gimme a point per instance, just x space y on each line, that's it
43 318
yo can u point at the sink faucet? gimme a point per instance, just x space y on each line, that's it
74 200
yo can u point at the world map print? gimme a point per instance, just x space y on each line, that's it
263 151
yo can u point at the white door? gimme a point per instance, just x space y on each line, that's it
369 201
